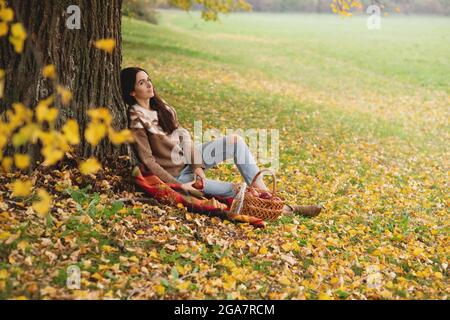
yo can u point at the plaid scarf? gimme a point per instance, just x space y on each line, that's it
170 194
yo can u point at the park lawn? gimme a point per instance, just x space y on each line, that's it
363 123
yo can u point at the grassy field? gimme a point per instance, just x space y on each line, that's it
363 118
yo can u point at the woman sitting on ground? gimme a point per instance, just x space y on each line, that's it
166 149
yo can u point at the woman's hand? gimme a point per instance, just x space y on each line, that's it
199 176
188 187
199 172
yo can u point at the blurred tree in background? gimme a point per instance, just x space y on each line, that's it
142 9
210 9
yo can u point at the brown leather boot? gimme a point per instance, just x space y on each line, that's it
305 211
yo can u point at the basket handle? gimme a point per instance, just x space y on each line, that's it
274 180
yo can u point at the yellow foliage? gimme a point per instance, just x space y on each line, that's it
49 72
42 207
65 94
107 45
324 296
263 250
44 113
3 29
28 133
52 155
284 281
100 114
7 164
95 132
90 166
120 137
21 188
6 14
71 132
18 37
159 289
18 116
22 161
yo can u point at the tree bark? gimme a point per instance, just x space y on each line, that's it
91 74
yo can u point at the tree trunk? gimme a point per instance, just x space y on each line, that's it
91 74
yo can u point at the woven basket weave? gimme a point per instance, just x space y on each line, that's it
248 204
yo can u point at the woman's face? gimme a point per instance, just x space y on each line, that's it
143 88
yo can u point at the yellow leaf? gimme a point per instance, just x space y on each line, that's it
438 275
324 296
42 207
263 250
22 161
239 244
284 281
18 37
4 235
134 259
49 72
100 114
334 280
18 31
44 113
183 286
230 283
417 251
120 137
30 132
65 94
108 249
286 247
4 274
180 269
20 115
377 252
7 14
95 132
7 164
159 289
3 29
22 245
21 188
90 166
107 45
97 276
140 232
71 132
52 155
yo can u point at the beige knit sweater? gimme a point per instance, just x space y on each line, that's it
162 154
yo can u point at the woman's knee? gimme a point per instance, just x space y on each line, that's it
218 188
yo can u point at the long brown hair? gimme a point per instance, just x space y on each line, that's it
166 119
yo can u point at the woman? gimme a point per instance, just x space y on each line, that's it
166 149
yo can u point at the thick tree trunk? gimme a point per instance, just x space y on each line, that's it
91 74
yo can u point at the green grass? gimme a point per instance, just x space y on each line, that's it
362 116
325 58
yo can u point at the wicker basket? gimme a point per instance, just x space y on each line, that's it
248 204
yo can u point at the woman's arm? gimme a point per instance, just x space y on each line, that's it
146 156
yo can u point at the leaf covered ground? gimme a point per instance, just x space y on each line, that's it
367 140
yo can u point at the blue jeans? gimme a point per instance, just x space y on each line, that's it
217 151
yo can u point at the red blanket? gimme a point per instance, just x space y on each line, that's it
170 194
